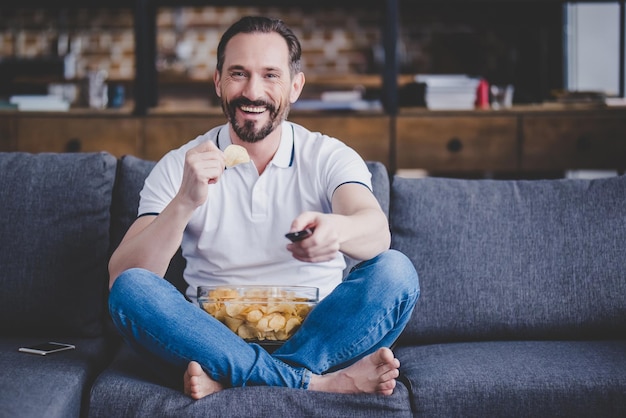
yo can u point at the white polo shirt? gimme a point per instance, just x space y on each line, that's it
238 235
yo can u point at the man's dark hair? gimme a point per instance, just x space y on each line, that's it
254 24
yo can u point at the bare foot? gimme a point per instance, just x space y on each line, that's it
375 373
198 384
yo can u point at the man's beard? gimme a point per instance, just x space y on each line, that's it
247 131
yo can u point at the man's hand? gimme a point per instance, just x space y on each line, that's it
322 245
357 227
204 164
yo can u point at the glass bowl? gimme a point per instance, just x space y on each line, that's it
259 313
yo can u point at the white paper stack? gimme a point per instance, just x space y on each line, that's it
37 103
449 91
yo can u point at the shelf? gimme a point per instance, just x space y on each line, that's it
125 111
145 85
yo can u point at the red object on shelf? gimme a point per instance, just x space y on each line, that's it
482 95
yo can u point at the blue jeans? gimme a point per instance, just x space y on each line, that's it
368 310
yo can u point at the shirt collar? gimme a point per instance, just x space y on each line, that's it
286 149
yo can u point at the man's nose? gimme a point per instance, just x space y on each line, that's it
253 88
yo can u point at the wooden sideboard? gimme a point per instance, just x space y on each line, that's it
574 140
519 141
460 142
119 135
8 132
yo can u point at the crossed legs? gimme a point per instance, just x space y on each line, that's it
341 346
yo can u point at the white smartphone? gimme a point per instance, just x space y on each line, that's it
46 348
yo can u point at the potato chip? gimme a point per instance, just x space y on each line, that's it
218 310
234 309
254 315
211 308
248 332
233 323
264 324
292 323
281 335
235 154
277 322
283 308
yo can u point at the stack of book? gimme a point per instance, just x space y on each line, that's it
449 91
338 100
40 103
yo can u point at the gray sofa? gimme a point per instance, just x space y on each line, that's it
522 313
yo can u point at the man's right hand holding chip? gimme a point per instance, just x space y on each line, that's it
204 164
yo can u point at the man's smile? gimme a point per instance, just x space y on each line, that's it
253 109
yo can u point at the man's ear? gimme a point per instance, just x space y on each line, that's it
297 84
216 82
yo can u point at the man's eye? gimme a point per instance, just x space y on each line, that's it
237 74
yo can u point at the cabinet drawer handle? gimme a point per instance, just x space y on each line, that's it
454 145
73 145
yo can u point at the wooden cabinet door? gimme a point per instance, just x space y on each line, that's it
574 141
457 143
366 134
8 134
164 133
116 135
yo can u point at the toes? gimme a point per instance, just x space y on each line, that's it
194 368
386 368
386 388
384 355
388 376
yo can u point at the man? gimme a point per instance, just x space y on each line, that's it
231 225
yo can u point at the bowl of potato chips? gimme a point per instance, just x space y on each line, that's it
259 313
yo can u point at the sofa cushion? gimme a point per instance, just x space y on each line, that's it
517 378
55 215
128 388
52 386
514 259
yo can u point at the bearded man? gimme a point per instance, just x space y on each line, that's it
231 225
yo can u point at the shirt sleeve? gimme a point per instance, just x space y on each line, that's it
162 184
345 165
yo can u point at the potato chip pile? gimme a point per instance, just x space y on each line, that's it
257 315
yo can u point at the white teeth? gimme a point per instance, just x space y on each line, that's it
253 109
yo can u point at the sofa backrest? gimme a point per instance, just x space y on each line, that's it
131 175
54 228
514 259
